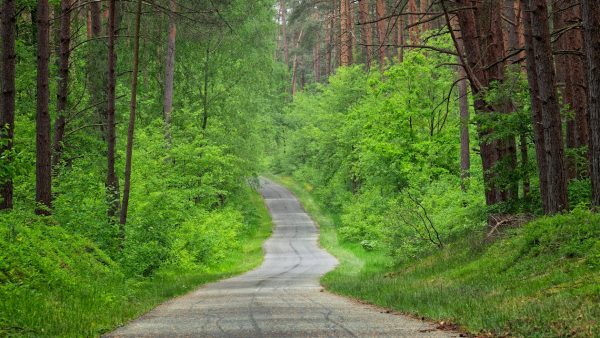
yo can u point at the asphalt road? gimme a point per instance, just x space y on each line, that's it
281 298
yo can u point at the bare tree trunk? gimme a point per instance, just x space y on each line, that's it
575 91
170 70
295 65
413 31
345 35
426 25
536 106
43 166
557 180
283 11
366 33
381 31
132 109
328 44
63 80
591 24
112 182
7 115
465 152
400 37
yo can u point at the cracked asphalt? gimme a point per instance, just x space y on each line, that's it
281 298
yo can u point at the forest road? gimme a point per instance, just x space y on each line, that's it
281 298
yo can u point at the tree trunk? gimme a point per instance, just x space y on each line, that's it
43 164
591 23
381 31
551 120
112 182
400 37
329 44
345 35
366 33
7 115
536 106
63 80
283 11
575 91
413 31
465 150
169 71
132 109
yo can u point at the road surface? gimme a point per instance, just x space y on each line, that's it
281 298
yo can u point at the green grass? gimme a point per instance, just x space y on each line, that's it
56 284
540 280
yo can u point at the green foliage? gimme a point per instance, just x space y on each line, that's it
193 215
538 280
366 141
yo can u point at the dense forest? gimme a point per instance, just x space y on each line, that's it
133 134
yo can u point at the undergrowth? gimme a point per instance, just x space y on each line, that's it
539 280
56 283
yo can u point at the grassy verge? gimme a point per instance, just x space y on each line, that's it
69 288
540 280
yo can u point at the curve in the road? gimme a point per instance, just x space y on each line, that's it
281 298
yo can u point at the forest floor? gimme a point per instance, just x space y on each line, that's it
282 298
539 280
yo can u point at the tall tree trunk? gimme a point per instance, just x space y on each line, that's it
381 31
591 24
366 33
424 8
169 70
295 65
63 80
7 115
413 31
43 164
557 182
512 46
465 151
575 91
400 37
345 35
283 11
132 109
112 182
329 44
536 105
479 80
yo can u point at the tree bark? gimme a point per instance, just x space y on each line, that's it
132 109
112 182
536 106
283 11
295 65
43 166
400 37
329 43
7 115
170 70
345 35
551 119
575 94
465 150
591 24
366 33
381 31
63 81
413 31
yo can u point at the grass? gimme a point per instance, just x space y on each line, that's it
540 280
73 290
